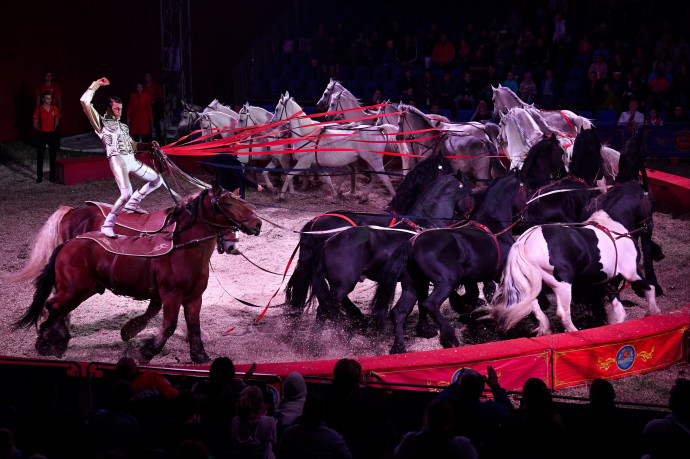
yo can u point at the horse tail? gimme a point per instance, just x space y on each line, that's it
45 242
520 285
44 285
298 289
390 273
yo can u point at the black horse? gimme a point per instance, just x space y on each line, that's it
360 252
448 258
315 232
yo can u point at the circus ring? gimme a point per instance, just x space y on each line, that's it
561 360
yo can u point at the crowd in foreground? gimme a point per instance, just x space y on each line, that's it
227 417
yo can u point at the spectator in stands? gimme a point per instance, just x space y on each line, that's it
447 91
376 98
7 448
464 98
437 438
113 427
150 382
609 99
309 437
476 419
549 91
483 112
511 82
444 52
428 88
681 85
408 85
536 420
559 32
659 85
678 115
603 51
407 52
583 54
183 422
191 449
653 119
599 66
217 398
292 404
464 52
632 119
253 433
670 436
618 65
388 55
634 86
527 89
599 421
360 415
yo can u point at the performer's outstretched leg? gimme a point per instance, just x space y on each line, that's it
144 172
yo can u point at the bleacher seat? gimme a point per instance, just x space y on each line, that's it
314 88
397 73
457 74
309 109
297 87
344 72
288 71
390 90
464 116
368 89
663 115
587 114
572 90
354 86
361 73
606 117
258 87
380 74
269 108
446 112
277 86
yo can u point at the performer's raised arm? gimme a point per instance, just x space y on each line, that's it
87 97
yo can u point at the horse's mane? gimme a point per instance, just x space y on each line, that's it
586 162
631 162
512 117
419 113
417 180
190 205
504 91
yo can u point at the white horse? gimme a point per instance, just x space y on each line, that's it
516 135
558 256
563 121
328 146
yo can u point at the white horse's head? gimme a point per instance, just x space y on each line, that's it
504 99
325 100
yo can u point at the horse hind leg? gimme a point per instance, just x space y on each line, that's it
135 325
563 292
645 288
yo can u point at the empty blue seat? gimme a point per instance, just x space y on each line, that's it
390 90
587 114
361 73
314 88
354 86
258 87
309 109
607 117
297 87
277 86
397 73
379 73
368 89
344 72
464 116
269 108
663 115
445 112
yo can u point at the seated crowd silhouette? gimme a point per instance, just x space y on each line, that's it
222 416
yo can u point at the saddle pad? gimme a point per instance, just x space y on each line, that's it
146 245
144 223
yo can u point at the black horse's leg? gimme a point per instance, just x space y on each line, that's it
353 314
433 305
192 309
135 325
152 346
399 314
648 250
425 329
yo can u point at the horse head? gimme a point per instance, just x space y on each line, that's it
325 100
335 106
230 211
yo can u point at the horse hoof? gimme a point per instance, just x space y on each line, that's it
200 357
451 341
426 331
398 349
147 351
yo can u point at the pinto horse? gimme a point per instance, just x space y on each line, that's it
80 268
597 252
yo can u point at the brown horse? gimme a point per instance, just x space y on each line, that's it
80 268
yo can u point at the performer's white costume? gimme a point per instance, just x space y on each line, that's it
120 148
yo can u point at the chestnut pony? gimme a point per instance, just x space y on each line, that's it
80 268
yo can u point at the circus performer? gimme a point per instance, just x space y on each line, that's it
120 150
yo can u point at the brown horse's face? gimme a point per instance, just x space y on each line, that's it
53 338
248 221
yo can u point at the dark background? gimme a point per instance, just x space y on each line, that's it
81 41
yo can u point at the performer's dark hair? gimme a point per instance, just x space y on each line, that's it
46 93
114 100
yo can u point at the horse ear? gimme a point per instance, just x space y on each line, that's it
287 94
236 192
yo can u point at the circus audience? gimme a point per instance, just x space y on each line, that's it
310 437
114 427
534 430
477 419
291 406
669 437
437 438
253 432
